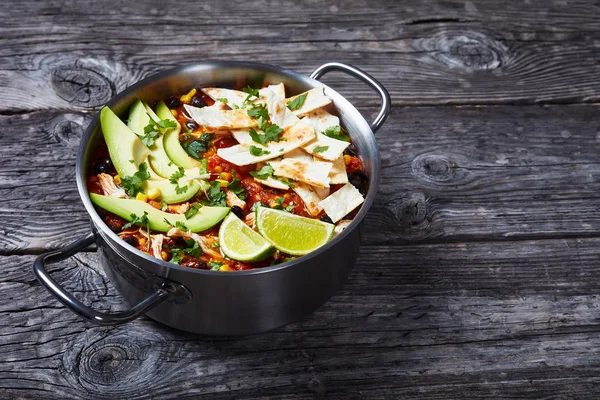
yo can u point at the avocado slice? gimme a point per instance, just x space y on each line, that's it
205 218
124 145
171 142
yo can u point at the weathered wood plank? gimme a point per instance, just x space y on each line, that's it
495 319
438 52
449 174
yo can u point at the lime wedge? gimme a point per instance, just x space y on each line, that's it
292 234
239 242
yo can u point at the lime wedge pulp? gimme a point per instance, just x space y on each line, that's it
292 234
239 242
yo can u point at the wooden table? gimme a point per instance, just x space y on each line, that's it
479 276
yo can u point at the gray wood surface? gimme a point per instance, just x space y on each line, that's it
479 274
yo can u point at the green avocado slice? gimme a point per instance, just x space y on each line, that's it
205 218
171 141
123 145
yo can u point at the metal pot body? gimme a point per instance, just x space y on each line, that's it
209 302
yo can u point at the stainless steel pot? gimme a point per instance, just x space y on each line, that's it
217 303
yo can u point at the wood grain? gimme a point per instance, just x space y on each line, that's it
440 321
77 56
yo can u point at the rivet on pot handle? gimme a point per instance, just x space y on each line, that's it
75 305
366 78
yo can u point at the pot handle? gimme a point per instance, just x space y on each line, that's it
75 305
366 78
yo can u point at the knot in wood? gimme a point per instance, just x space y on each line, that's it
69 128
82 86
411 209
467 50
116 365
434 168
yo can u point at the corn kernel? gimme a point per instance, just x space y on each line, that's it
141 196
218 169
347 159
225 268
163 255
287 196
153 193
155 204
223 182
142 241
117 179
186 98
226 176
209 153
173 112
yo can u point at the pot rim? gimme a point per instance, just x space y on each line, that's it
338 100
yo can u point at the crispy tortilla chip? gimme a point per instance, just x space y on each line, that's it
273 182
315 99
216 118
338 175
279 114
309 196
322 120
315 173
294 137
233 97
340 203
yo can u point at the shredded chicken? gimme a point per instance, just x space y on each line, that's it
156 243
250 220
340 226
204 242
233 200
179 208
109 187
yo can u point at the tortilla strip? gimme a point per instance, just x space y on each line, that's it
322 120
315 99
333 148
314 173
340 203
279 114
322 192
215 118
295 137
237 97
273 182
338 175
310 198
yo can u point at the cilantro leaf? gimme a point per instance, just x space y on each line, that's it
251 93
297 103
336 132
215 196
257 151
134 184
264 173
271 135
215 265
166 123
195 147
154 129
257 111
181 189
192 211
290 208
136 220
176 175
278 203
320 149
181 226
223 100
236 187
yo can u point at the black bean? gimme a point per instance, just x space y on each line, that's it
238 212
191 125
359 180
351 150
198 102
132 240
325 218
103 165
173 102
193 263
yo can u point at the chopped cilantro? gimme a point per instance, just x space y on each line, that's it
166 123
257 151
336 132
215 245
192 211
260 113
279 203
195 147
256 205
223 100
251 93
176 175
264 173
215 196
181 189
133 184
290 208
215 265
177 254
136 220
271 135
154 129
181 226
163 205
297 103
236 186
320 149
